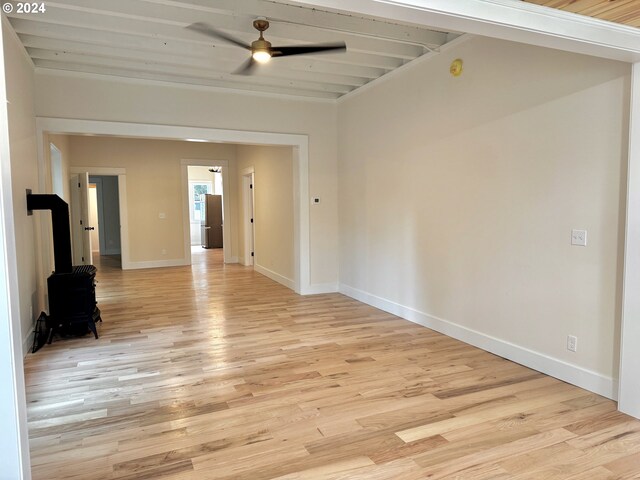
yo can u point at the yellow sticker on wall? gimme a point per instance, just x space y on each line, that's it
456 67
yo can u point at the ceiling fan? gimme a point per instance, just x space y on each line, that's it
261 50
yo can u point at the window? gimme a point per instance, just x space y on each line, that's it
197 190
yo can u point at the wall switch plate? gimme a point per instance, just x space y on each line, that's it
162 215
572 343
579 237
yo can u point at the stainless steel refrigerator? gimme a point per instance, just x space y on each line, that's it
211 229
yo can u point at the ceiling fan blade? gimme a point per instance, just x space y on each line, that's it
209 31
306 49
247 68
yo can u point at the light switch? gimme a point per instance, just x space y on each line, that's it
579 237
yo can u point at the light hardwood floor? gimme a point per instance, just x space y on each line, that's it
216 372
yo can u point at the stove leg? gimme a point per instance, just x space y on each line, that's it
92 327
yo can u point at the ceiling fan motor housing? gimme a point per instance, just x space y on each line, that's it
261 48
260 44
260 24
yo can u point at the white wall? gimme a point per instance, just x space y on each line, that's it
93 219
101 99
61 142
457 198
24 175
199 172
273 209
17 248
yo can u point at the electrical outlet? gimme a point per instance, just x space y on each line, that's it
579 238
572 343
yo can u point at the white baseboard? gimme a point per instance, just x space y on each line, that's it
287 282
318 288
155 264
581 377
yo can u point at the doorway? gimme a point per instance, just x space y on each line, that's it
204 185
111 205
104 215
300 144
205 181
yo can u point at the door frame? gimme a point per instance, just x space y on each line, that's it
299 142
121 174
226 206
249 229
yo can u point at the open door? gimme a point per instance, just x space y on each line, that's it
248 219
80 227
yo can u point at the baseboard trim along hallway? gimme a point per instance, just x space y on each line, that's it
573 374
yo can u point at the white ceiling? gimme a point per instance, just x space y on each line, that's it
146 39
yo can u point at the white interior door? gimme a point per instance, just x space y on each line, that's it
252 222
248 220
80 225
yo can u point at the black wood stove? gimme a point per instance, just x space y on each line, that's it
72 288
72 301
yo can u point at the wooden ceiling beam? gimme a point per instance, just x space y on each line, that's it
279 34
205 57
269 75
295 90
83 34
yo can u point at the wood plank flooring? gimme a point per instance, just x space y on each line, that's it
216 372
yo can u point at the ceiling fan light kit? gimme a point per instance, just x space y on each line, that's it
261 50
261 56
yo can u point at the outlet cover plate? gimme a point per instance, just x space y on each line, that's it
579 237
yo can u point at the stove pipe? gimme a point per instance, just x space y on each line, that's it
60 223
